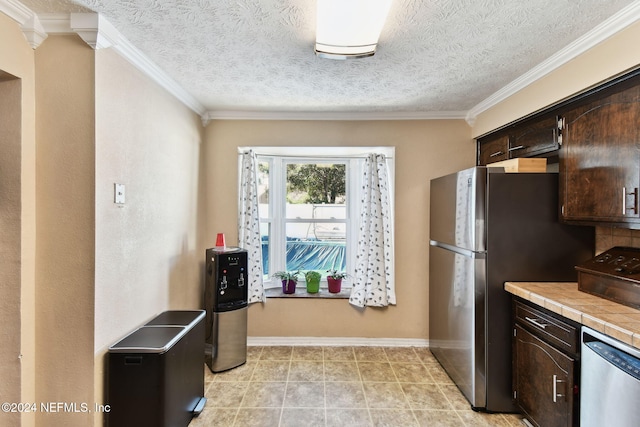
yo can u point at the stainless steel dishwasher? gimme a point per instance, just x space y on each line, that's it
610 382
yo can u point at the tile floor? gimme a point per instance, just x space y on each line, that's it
339 386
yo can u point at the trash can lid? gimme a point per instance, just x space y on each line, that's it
177 317
155 339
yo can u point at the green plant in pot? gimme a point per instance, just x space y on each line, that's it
334 280
313 281
289 280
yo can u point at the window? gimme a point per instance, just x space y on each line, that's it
309 208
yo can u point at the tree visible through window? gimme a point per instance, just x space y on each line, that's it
317 183
304 210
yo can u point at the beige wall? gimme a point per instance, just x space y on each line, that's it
65 223
10 195
613 56
17 221
147 251
99 122
424 150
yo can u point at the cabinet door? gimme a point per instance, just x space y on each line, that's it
542 380
494 149
534 138
600 159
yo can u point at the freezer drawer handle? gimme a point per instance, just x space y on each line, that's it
536 322
555 388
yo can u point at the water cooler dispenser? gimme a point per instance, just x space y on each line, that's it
225 299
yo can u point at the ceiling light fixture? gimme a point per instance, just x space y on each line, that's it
347 29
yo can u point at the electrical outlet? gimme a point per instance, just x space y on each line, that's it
118 190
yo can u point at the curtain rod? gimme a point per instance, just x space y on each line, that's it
323 156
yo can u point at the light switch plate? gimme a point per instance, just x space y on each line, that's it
118 193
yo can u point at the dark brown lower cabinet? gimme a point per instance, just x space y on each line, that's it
544 377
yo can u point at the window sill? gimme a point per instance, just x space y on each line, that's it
301 292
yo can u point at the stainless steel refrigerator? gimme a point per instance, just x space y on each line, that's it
488 227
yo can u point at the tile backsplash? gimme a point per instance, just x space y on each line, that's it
608 237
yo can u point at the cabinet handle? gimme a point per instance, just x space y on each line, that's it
560 127
634 208
497 153
555 388
536 322
519 147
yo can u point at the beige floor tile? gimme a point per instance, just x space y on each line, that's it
264 395
438 418
411 373
481 419
385 396
240 373
376 371
257 417
276 353
304 370
225 395
341 371
426 396
393 418
219 417
308 417
425 355
344 395
401 354
271 370
455 397
254 352
304 395
348 418
307 353
438 374
338 353
370 354
339 387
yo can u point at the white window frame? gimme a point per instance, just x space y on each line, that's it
278 158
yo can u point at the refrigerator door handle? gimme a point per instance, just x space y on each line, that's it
466 252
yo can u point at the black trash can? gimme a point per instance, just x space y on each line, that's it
155 374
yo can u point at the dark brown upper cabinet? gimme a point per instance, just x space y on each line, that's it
494 148
529 138
600 157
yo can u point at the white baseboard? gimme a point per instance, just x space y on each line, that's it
337 341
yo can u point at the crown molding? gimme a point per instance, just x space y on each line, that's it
99 33
618 22
344 115
29 22
95 30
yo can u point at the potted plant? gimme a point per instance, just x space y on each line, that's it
289 281
334 280
313 281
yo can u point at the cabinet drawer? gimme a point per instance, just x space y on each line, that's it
493 149
551 328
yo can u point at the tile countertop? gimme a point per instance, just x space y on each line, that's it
610 318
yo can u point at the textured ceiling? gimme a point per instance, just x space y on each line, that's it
257 55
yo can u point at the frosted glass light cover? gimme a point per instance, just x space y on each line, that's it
349 28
